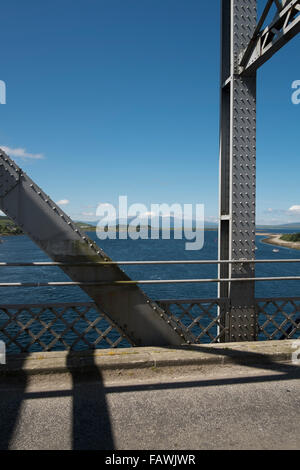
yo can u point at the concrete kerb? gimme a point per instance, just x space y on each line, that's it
151 358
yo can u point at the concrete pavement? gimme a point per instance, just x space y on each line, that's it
229 405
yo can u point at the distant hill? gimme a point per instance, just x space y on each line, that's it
211 225
91 226
173 223
214 226
8 227
292 226
86 226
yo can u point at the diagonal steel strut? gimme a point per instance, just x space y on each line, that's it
139 319
265 43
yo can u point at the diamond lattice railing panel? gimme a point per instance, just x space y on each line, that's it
278 318
78 326
200 318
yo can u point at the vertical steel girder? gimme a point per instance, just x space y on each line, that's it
139 319
237 170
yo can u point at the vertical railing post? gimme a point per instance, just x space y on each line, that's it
237 170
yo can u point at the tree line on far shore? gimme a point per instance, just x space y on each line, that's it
291 237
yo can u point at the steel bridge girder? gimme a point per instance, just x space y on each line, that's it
139 319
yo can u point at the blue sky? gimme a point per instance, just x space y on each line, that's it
121 97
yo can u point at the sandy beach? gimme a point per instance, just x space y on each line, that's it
274 239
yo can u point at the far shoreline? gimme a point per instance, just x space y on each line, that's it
92 229
274 239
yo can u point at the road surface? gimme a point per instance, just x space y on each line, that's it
223 407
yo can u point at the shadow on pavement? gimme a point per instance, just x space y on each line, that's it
91 421
10 403
244 358
91 428
286 375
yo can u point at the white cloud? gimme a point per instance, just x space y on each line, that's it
21 153
63 202
88 214
148 214
294 209
103 204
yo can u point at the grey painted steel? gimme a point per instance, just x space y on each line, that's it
279 316
237 168
49 326
140 320
264 44
202 318
276 318
244 48
27 325
247 53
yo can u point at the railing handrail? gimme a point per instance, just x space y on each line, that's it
159 301
123 263
225 299
146 281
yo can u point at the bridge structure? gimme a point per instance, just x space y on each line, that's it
247 43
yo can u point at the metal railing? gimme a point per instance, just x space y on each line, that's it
148 281
53 326
59 326
277 318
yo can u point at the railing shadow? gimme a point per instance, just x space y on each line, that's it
91 422
283 371
243 357
10 408
91 427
